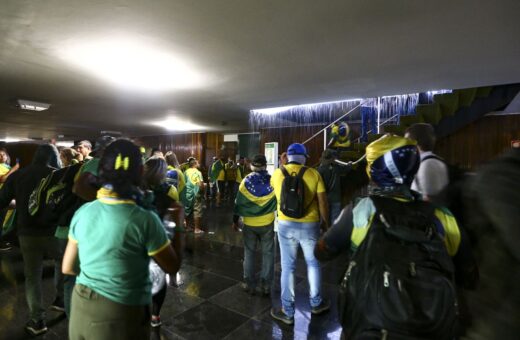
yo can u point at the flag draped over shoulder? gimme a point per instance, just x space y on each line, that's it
255 195
216 168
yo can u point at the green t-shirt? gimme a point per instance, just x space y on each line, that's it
115 240
91 166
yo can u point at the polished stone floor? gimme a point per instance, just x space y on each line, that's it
208 305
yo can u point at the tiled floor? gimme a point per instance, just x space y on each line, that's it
208 305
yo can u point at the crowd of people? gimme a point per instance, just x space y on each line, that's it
114 221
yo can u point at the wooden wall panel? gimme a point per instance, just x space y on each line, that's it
480 141
286 136
202 146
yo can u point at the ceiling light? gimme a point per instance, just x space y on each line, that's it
33 106
178 124
65 144
132 64
274 110
13 139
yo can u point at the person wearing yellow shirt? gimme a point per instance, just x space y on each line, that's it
300 232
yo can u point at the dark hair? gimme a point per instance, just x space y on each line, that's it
47 155
68 154
154 172
423 134
121 166
171 159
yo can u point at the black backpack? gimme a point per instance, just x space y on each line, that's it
53 201
292 198
400 281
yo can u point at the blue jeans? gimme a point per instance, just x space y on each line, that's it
291 235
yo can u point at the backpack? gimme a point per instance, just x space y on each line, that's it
292 198
52 201
400 281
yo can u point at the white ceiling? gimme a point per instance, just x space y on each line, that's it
255 54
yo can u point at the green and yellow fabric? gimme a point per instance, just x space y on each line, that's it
4 170
192 177
445 223
340 134
240 173
217 172
256 201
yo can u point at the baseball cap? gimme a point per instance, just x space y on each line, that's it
102 142
297 149
259 160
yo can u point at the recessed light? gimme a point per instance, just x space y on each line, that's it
133 64
32 105
178 124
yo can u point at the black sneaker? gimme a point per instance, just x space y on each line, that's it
35 328
323 307
57 305
247 288
279 314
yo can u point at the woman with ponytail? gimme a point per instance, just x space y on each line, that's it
110 243
166 204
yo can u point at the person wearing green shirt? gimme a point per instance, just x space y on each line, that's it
194 193
111 241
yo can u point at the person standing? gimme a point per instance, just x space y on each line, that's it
84 148
110 244
432 176
218 176
36 237
300 232
331 172
256 203
194 195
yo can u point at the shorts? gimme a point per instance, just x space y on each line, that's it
197 207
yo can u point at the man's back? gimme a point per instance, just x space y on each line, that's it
313 184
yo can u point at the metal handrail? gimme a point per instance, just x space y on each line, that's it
337 120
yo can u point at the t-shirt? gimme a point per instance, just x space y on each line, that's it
313 186
90 166
115 240
431 177
4 169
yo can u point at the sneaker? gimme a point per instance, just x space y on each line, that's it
5 246
36 327
156 321
323 307
247 288
58 305
279 314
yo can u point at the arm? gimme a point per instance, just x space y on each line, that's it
85 187
323 206
176 210
167 259
337 238
70 263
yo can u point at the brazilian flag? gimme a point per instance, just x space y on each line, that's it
216 168
255 196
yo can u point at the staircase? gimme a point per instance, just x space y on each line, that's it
447 113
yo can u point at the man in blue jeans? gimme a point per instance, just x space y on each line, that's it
301 232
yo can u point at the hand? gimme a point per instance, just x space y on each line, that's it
324 226
235 227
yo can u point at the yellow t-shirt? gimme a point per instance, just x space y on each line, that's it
313 186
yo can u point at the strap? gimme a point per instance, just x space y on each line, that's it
300 173
433 156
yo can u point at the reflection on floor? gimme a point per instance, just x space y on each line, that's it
208 305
